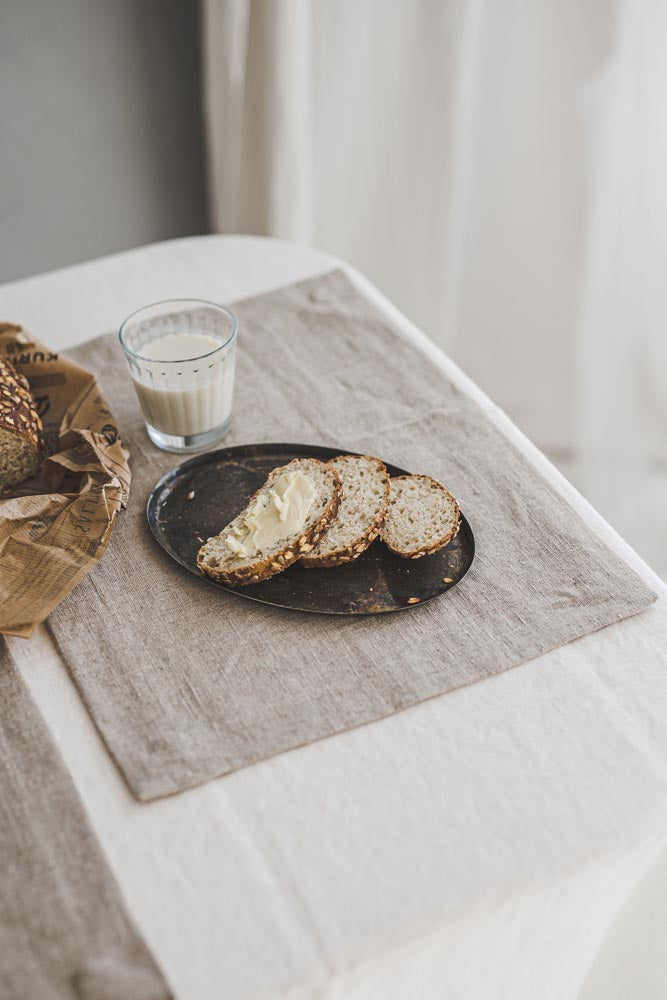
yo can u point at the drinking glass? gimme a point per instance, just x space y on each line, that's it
185 383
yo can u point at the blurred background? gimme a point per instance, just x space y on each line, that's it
496 167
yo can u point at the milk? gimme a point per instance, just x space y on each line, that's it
181 397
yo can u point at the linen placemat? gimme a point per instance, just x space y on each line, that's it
64 931
186 682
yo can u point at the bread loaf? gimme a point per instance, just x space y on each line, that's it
21 446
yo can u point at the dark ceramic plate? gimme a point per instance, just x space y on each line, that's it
224 480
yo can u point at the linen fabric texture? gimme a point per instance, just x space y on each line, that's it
64 930
186 682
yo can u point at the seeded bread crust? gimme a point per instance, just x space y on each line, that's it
445 538
347 553
21 447
283 558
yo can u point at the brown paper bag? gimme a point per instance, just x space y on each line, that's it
55 526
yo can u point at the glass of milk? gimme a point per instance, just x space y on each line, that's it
181 355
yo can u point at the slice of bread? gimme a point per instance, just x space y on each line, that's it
423 517
360 515
21 445
218 561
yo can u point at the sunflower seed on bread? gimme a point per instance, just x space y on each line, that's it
21 445
360 515
423 517
224 558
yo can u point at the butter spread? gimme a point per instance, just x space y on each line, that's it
280 514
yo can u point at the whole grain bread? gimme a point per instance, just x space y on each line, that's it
360 515
21 446
423 517
216 560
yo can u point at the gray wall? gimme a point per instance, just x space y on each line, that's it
100 128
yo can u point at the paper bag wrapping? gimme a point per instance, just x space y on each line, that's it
55 526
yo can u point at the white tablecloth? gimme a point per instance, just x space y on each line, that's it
502 842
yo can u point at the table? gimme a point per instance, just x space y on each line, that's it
501 842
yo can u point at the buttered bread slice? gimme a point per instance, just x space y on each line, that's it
281 523
423 517
360 515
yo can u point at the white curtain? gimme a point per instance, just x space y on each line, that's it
499 169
